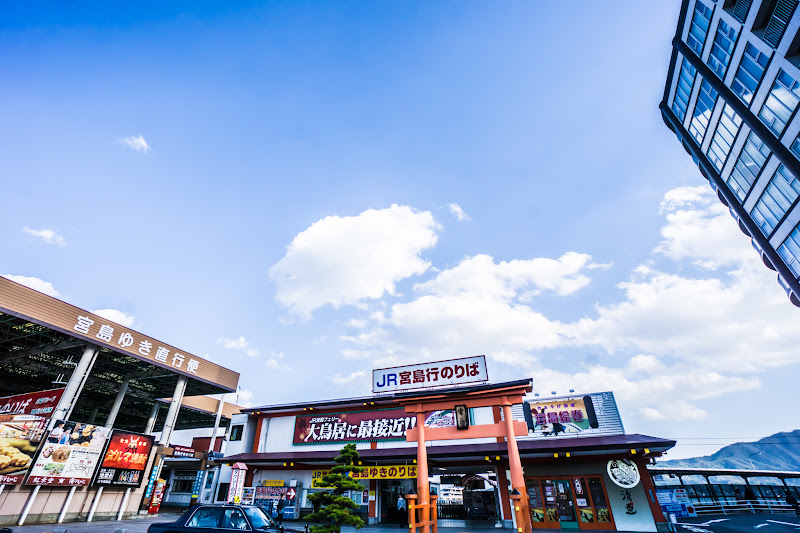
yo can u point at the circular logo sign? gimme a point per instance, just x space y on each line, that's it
624 473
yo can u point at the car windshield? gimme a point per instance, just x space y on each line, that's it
257 517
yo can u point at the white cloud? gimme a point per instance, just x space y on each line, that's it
708 330
239 344
244 398
115 315
136 142
459 213
350 378
34 283
47 235
350 260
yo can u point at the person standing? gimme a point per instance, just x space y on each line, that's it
281 505
401 508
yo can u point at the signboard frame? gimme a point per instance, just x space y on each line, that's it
427 375
108 474
68 447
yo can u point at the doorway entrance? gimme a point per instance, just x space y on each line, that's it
389 491
579 502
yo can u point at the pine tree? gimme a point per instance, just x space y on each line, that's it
337 509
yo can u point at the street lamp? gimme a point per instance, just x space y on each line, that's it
750 458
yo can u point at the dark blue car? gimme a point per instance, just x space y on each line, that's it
217 518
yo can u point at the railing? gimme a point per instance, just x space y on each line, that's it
415 514
744 506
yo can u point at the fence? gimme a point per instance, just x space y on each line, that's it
744 506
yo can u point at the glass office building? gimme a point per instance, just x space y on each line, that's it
731 98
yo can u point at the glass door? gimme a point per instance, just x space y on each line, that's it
565 507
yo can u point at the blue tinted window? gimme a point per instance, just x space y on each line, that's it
776 199
751 160
790 251
781 103
721 143
683 89
722 49
699 27
748 76
702 111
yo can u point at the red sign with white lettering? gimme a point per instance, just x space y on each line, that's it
40 403
358 426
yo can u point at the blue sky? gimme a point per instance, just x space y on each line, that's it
304 191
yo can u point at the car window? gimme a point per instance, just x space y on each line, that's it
257 517
205 517
234 519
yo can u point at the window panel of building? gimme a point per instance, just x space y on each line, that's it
699 27
790 252
722 48
781 103
683 89
748 76
776 199
784 9
702 111
749 164
722 142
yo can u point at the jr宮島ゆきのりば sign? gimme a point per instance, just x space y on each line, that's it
425 375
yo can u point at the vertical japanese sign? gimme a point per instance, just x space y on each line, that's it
356 426
69 455
20 436
125 459
237 483
439 374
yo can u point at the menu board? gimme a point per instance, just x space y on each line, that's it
125 459
69 455
20 436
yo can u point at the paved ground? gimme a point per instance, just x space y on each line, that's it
137 525
760 523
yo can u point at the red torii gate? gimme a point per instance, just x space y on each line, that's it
503 395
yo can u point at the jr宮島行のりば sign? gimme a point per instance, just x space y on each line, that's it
424 375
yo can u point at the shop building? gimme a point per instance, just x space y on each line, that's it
83 395
576 466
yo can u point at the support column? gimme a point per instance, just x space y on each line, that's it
74 385
502 484
124 503
28 505
66 504
112 416
93 416
174 408
95 503
151 422
423 489
515 465
166 433
650 490
201 493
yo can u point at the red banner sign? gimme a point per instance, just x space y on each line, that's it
359 426
40 403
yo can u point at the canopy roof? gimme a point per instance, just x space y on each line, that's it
40 348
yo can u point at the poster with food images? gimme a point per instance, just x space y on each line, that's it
20 436
125 459
69 455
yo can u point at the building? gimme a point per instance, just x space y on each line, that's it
568 448
731 98
83 396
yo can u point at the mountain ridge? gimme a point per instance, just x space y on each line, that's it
779 452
